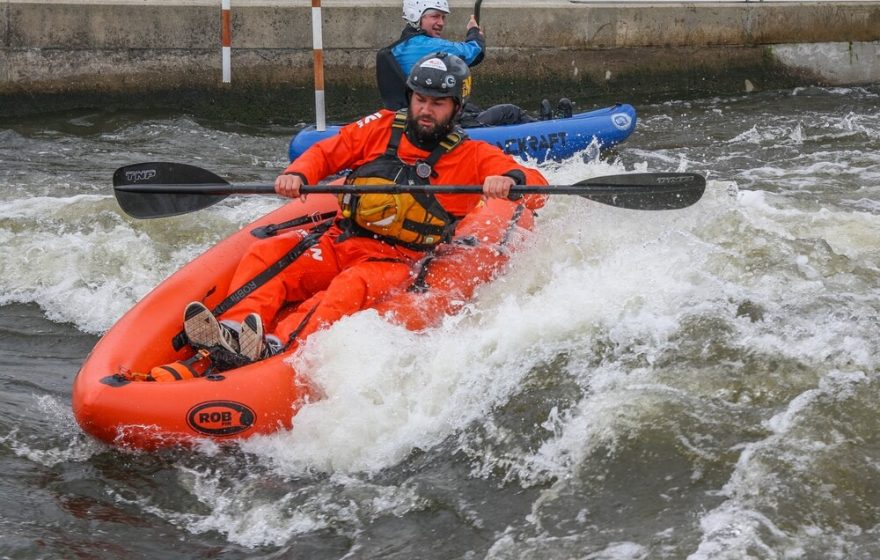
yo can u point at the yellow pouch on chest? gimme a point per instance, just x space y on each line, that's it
397 216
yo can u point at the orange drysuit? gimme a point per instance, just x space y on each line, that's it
334 278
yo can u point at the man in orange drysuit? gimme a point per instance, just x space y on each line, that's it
372 245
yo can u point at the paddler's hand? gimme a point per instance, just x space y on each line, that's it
473 23
288 185
497 186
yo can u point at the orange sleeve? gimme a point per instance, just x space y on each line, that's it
492 161
356 143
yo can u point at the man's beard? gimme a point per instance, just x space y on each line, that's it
427 136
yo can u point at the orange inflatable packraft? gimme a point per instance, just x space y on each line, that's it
262 397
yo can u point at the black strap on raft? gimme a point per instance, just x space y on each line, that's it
511 226
180 339
420 283
272 229
273 270
308 316
300 327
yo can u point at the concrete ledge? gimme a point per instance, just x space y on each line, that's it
75 49
352 25
836 63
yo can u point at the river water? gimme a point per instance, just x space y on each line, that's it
696 384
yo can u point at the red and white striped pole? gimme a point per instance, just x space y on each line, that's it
318 48
226 40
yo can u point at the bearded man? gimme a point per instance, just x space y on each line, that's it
372 245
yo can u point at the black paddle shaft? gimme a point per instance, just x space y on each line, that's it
161 189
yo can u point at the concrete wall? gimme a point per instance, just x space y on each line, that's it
67 49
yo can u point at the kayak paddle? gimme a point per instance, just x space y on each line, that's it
161 189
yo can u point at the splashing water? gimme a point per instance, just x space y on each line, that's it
689 384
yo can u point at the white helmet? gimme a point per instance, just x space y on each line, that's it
413 9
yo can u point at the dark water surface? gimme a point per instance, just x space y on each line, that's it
696 384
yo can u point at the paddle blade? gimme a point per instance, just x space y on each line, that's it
647 191
157 204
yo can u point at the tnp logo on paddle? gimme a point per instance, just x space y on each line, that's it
140 175
674 180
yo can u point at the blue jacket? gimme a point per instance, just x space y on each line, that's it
410 51
394 62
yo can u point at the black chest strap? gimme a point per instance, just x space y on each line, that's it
446 145
398 126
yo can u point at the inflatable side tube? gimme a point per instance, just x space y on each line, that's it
538 141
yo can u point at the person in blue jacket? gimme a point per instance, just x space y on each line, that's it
426 20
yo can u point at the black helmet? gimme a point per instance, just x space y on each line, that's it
441 74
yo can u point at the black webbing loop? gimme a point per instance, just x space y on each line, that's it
272 229
300 327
